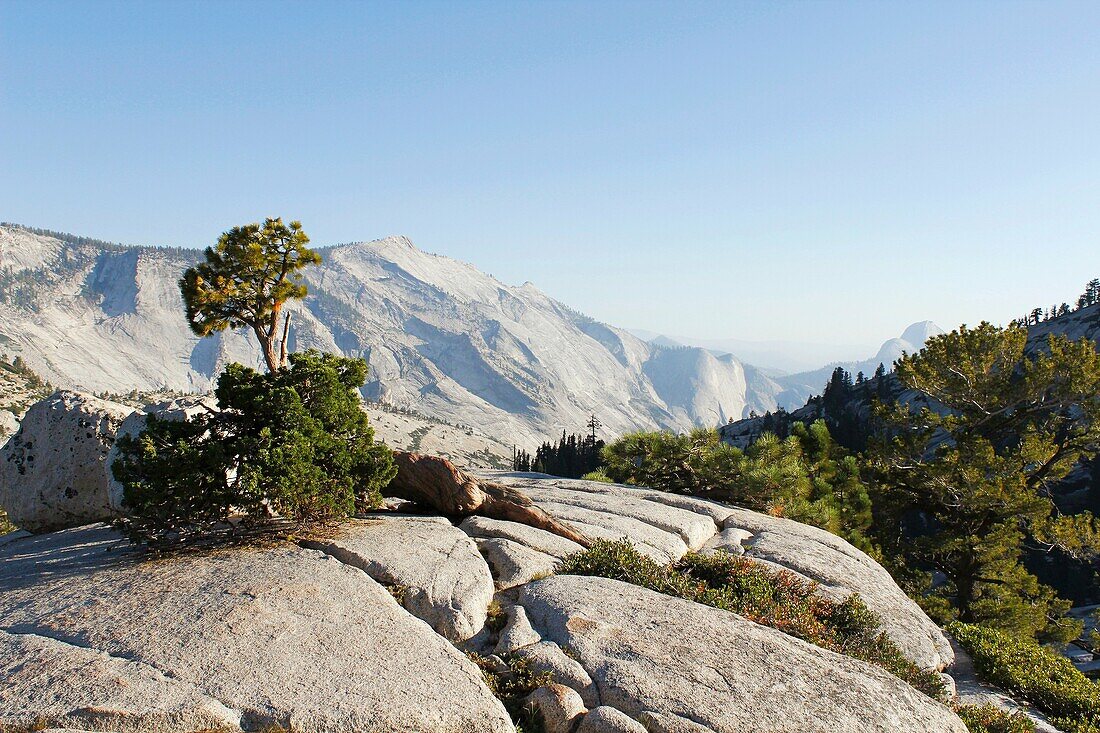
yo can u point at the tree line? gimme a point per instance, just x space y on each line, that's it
1091 296
952 499
572 456
81 241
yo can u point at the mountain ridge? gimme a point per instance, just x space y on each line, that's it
1081 323
441 337
789 391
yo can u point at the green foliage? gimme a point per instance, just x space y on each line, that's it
245 280
836 487
20 386
495 617
19 368
1039 675
979 469
622 561
571 457
512 685
693 463
806 476
990 719
1077 535
777 599
294 442
599 476
399 592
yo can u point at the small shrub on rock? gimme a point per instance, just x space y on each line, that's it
778 599
512 679
1039 675
5 523
990 719
805 476
293 443
622 561
496 618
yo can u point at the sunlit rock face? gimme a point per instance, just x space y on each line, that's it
441 337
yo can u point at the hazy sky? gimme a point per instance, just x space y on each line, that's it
811 171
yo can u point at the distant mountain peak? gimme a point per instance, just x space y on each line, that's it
911 341
920 332
396 240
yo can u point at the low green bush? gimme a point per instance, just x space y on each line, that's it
512 686
294 444
622 561
1041 676
778 599
794 606
805 476
990 719
496 618
5 523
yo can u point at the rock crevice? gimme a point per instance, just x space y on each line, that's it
437 567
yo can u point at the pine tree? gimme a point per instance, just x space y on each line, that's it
246 279
521 460
571 456
806 476
294 442
593 426
980 473
837 390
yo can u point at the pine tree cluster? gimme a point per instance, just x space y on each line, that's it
571 457
1091 296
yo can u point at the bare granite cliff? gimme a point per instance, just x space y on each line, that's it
442 338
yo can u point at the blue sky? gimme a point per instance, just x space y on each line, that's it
824 172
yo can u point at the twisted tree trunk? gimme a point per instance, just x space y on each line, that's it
439 484
267 347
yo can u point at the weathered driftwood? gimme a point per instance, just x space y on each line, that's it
439 484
